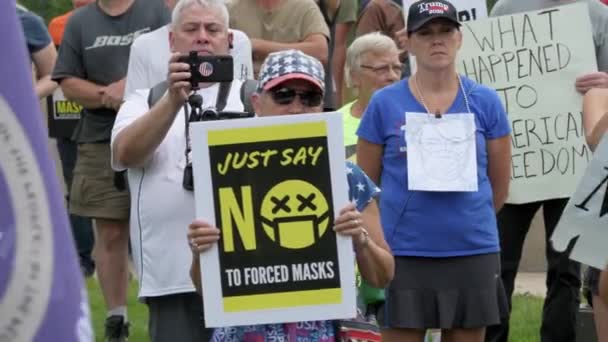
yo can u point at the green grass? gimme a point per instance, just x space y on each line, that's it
525 319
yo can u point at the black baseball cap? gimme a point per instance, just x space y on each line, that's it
423 11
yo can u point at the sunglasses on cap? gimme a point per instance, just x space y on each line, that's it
284 96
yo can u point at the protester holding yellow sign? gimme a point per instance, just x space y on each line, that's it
292 83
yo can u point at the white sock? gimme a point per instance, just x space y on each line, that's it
118 311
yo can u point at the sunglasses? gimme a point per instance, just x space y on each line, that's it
284 96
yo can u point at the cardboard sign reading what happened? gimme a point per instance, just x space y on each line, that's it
274 187
532 59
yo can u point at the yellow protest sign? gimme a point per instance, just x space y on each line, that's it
276 185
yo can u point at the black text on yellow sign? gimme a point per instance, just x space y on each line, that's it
273 203
67 110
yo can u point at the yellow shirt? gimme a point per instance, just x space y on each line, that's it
350 126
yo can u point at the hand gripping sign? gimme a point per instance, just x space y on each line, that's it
273 186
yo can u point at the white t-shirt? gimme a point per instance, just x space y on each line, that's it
161 209
150 54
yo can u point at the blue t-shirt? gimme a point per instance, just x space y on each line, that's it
36 35
361 191
434 224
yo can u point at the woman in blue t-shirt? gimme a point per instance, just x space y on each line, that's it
439 146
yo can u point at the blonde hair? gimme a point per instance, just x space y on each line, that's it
374 42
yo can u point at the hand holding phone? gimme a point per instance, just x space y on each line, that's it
209 69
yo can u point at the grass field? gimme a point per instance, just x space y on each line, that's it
525 320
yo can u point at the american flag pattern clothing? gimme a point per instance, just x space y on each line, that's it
289 62
319 331
361 190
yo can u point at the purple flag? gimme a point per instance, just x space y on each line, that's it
42 297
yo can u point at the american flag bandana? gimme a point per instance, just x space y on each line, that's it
279 64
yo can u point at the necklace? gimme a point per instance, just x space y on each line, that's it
438 114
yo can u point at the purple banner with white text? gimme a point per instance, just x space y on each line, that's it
42 297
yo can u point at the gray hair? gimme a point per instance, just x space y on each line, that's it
184 4
374 42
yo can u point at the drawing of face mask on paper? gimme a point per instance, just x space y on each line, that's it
444 149
441 152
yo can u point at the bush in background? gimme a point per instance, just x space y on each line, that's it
47 9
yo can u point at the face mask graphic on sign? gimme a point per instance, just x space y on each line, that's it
295 214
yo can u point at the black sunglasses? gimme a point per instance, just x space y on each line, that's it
284 96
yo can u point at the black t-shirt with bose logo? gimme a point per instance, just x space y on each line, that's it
95 47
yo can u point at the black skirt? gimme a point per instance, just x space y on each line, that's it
445 293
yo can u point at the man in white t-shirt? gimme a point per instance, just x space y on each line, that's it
150 143
150 55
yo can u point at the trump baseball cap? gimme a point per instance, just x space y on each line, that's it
286 65
423 11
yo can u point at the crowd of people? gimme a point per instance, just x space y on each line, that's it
436 249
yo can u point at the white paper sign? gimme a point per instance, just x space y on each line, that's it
273 185
586 215
441 152
532 60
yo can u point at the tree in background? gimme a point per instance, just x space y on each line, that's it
47 9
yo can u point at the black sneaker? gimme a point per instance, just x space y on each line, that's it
116 329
